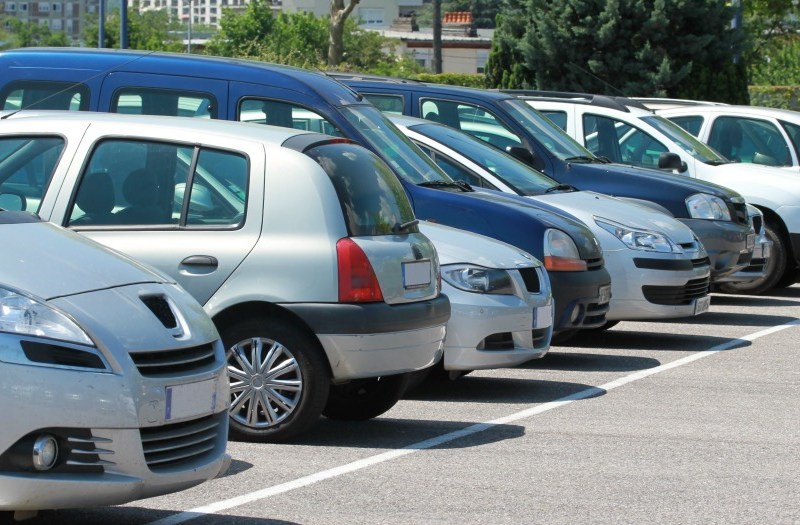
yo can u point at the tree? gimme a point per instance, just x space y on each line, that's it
632 47
239 34
148 30
339 14
773 42
32 34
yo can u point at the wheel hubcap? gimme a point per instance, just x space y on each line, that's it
266 382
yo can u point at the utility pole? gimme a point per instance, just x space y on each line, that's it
189 45
101 24
437 36
123 26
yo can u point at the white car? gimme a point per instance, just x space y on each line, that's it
658 268
624 131
500 300
112 378
758 135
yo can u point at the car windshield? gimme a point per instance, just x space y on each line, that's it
522 178
546 131
685 140
406 159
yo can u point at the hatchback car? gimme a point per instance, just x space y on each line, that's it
302 248
625 131
112 378
658 268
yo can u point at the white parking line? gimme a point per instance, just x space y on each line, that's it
305 481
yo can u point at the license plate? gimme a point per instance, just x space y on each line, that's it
702 304
416 274
604 294
543 316
189 400
751 240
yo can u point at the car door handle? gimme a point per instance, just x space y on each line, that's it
200 260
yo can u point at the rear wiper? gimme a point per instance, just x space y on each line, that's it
584 158
561 187
442 184
401 227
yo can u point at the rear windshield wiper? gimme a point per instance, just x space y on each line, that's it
561 187
443 184
401 227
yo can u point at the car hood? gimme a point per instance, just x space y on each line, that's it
770 186
48 261
588 205
460 246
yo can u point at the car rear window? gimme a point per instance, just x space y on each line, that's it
373 200
34 94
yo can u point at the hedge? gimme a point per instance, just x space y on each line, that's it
786 97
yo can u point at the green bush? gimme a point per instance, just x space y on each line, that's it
453 79
785 97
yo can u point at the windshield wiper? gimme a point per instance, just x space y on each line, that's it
401 227
443 184
561 187
718 162
584 158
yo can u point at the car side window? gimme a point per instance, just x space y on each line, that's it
143 183
35 94
691 123
455 171
471 119
620 142
749 140
392 104
793 130
26 168
168 102
559 118
286 115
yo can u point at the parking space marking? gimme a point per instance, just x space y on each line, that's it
311 479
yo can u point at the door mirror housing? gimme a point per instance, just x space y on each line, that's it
671 161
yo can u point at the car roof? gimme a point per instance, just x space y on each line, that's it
733 110
605 101
405 84
243 130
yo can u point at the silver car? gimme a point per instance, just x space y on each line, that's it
112 378
303 248
658 267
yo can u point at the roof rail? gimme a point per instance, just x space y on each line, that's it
340 75
605 101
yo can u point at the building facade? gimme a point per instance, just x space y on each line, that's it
71 17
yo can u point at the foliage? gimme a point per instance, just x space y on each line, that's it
785 97
633 47
453 79
773 37
32 34
148 30
484 12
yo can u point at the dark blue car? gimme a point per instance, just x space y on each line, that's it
206 87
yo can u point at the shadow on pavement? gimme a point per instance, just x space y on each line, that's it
582 362
640 340
756 300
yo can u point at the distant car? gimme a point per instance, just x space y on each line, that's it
623 130
658 267
302 248
757 135
502 307
112 378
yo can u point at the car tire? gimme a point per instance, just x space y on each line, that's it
290 404
363 399
776 267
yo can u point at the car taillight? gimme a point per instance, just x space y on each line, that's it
357 281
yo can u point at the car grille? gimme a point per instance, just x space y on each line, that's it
676 295
738 212
595 315
531 278
168 446
595 264
174 362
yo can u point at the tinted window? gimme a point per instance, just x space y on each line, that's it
691 124
793 131
45 95
285 115
26 167
387 103
130 182
373 200
471 119
559 118
749 140
145 101
621 142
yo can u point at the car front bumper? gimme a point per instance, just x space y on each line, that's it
726 245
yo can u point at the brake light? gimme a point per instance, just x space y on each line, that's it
357 281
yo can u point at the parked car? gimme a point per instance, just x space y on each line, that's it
716 214
500 297
112 378
624 131
658 267
302 248
206 87
751 134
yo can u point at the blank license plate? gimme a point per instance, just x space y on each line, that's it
543 316
751 240
604 294
702 304
192 399
416 274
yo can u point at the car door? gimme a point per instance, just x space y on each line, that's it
192 211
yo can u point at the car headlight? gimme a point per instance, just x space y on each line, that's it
561 254
639 239
22 314
705 206
478 279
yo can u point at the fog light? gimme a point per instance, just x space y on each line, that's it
576 315
45 452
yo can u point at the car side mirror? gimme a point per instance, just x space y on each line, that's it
12 201
525 155
671 161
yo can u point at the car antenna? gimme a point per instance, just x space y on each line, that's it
51 95
579 68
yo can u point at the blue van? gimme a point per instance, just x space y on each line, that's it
126 81
717 215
